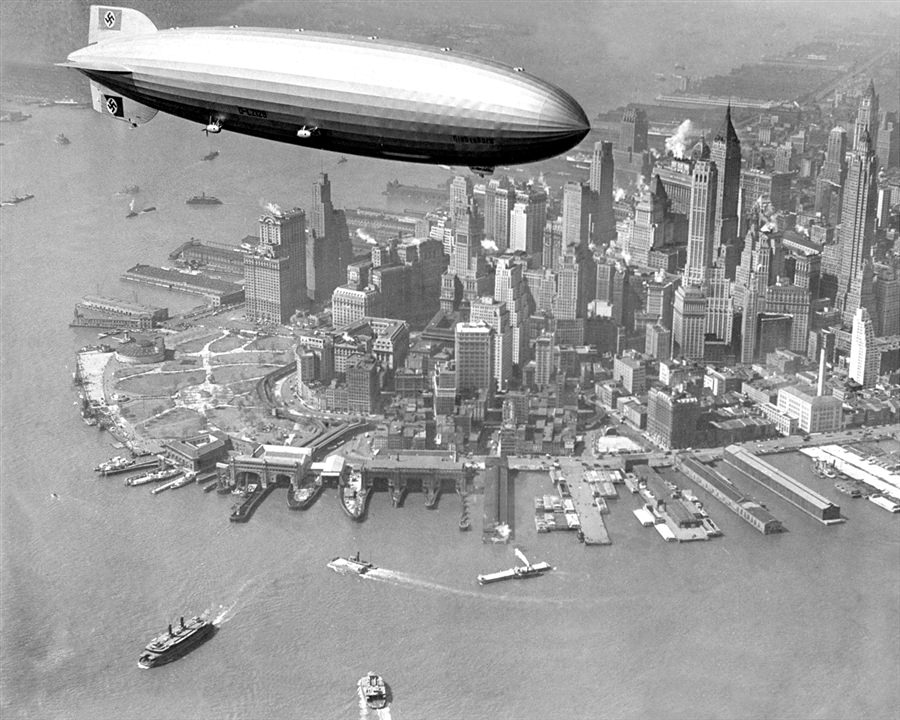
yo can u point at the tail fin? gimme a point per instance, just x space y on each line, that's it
108 22
109 102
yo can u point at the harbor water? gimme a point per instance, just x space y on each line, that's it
798 625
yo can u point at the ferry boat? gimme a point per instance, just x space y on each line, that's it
303 497
354 496
113 464
203 199
177 642
517 572
211 156
373 690
353 562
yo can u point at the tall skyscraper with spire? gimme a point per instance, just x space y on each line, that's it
601 183
867 119
855 274
830 182
701 220
726 154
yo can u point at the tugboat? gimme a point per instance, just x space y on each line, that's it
203 199
177 642
848 487
373 690
211 156
360 567
518 572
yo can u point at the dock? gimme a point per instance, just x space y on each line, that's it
593 529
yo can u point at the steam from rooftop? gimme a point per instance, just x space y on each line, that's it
677 144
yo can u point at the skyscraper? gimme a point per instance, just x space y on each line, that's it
633 131
855 274
499 198
689 322
701 219
495 315
601 184
274 275
867 119
328 248
726 154
462 197
865 359
576 214
831 177
526 224
474 356
509 288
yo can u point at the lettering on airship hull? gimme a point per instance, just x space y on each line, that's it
474 140
251 112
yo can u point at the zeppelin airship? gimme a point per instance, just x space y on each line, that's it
345 94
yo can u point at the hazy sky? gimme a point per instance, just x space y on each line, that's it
569 42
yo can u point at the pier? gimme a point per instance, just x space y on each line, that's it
593 529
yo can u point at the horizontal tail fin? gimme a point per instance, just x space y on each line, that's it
108 22
109 102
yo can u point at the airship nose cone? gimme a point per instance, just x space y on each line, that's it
561 114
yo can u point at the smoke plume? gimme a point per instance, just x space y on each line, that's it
678 142
363 235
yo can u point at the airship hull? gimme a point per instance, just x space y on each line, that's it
339 93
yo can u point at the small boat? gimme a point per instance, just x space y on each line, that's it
129 190
373 690
177 642
62 140
342 160
517 572
152 208
211 156
848 487
465 523
131 211
353 563
16 199
203 199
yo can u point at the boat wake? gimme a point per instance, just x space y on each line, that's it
365 712
224 613
403 579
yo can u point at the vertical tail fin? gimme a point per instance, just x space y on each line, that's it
108 22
